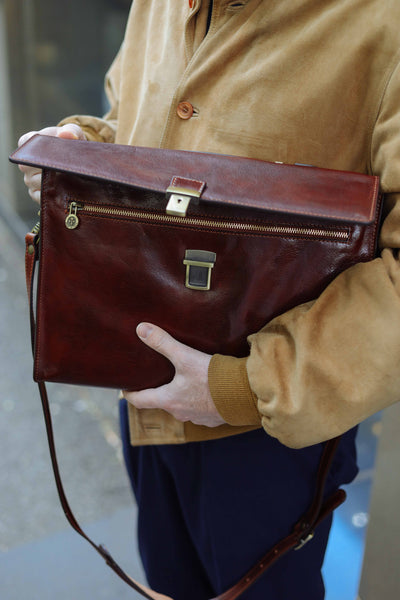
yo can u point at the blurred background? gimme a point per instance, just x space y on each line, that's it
53 57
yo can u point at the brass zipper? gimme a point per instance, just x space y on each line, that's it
72 222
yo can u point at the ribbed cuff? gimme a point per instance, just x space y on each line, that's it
231 392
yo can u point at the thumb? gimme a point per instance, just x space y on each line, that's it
159 340
71 131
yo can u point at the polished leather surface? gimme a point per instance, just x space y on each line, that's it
234 180
97 282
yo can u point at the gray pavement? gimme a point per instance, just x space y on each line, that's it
40 556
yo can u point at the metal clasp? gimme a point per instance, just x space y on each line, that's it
178 205
304 541
179 199
199 264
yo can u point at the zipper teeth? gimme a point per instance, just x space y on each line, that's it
246 227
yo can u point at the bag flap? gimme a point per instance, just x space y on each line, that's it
218 178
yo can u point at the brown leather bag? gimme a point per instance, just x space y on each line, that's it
208 247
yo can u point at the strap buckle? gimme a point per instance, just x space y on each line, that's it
304 541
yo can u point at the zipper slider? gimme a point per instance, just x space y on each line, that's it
36 228
72 220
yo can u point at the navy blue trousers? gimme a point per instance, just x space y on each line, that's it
209 510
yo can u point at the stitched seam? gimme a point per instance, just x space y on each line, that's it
98 175
198 185
123 180
373 244
40 294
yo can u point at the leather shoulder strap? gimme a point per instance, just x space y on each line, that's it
302 531
31 257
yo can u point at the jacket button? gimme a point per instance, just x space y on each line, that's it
184 110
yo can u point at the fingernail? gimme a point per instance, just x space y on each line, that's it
71 130
144 330
68 135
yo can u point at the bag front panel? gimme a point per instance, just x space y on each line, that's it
99 280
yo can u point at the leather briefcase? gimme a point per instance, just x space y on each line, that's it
208 247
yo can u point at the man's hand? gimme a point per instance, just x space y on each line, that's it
187 397
32 175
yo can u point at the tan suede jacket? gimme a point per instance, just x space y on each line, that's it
309 81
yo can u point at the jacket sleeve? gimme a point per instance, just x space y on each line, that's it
103 129
321 368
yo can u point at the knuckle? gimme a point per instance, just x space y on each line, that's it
35 195
177 408
51 131
71 128
135 399
74 127
24 138
37 179
33 179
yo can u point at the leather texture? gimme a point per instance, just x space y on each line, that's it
231 180
98 281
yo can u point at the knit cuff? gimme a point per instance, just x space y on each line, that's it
231 392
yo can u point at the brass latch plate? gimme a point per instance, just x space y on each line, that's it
199 264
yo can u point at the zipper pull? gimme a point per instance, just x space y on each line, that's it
72 220
36 228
